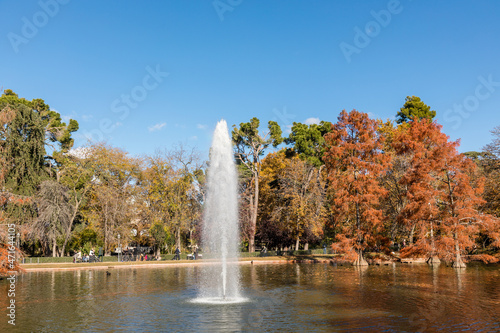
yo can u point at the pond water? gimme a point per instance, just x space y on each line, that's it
280 298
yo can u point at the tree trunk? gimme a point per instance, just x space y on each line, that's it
297 244
360 261
458 263
411 234
433 259
68 232
253 227
178 236
54 248
106 247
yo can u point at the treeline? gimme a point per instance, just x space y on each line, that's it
357 185
62 200
362 184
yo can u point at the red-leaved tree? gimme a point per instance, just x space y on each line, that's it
424 146
355 163
443 193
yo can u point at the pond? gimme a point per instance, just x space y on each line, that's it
279 297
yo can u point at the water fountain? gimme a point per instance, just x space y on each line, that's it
219 282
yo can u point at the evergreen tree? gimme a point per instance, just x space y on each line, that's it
414 108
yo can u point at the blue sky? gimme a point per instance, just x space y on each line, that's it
145 75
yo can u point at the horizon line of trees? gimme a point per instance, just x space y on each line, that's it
356 185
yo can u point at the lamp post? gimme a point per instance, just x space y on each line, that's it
119 249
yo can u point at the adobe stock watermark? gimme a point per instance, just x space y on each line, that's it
122 105
424 318
12 275
363 38
256 317
30 27
223 6
471 103
283 118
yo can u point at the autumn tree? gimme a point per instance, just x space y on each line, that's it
249 149
112 200
395 200
302 200
458 200
444 193
414 108
76 174
271 227
422 146
489 162
174 189
355 162
187 192
54 215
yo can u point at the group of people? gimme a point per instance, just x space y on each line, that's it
91 257
193 256
147 257
78 257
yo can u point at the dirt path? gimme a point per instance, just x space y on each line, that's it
144 264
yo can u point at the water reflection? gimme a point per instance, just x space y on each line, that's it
286 297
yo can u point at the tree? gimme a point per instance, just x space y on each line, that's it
308 141
24 147
249 148
292 201
54 214
395 200
76 174
173 184
271 222
355 163
6 264
301 196
26 137
443 193
424 146
489 164
112 206
31 128
159 235
414 108
458 200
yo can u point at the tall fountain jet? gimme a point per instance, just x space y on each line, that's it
220 281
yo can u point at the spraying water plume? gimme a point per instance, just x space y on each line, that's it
220 282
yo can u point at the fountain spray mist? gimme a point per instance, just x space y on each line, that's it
220 229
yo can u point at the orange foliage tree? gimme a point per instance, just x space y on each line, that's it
424 146
459 198
355 162
443 193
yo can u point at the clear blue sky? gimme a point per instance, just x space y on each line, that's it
276 60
